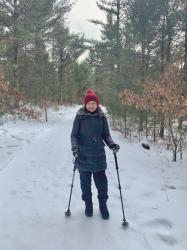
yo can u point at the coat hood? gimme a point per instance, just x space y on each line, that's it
83 112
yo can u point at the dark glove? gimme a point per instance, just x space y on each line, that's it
75 153
115 148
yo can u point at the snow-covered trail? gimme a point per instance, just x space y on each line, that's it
34 191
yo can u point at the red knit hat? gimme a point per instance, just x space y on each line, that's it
91 96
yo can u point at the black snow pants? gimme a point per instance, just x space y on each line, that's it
101 184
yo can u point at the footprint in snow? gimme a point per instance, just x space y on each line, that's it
12 146
17 138
147 194
9 153
170 187
159 223
4 130
168 239
183 187
163 226
13 192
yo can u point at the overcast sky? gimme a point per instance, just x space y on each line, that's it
81 11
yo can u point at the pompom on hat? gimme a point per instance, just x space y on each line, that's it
91 96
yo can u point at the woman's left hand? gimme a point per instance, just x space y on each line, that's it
115 148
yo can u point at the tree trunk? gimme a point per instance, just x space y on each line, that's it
162 124
162 66
169 41
168 27
154 129
53 51
143 59
140 121
15 45
15 65
180 148
175 154
173 140
162 45
60 75
146 125
185 46
148 56
118 36
45 105
125 124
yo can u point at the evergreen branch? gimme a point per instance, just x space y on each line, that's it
97 22
107 9
25 6
6 7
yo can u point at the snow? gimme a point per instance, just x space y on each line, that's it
35 176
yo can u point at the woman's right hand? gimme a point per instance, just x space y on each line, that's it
75 153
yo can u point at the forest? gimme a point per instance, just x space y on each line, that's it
138 67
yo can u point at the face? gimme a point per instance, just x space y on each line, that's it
91 106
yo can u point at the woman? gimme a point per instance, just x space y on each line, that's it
90 129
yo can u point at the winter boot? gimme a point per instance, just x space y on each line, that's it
104 210
89 208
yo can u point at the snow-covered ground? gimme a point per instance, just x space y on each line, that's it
35 176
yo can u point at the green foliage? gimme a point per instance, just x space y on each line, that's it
37 50
139 39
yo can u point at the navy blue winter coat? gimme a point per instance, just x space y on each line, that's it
88 133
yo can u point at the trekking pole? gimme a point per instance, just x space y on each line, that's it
124 223
68 212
